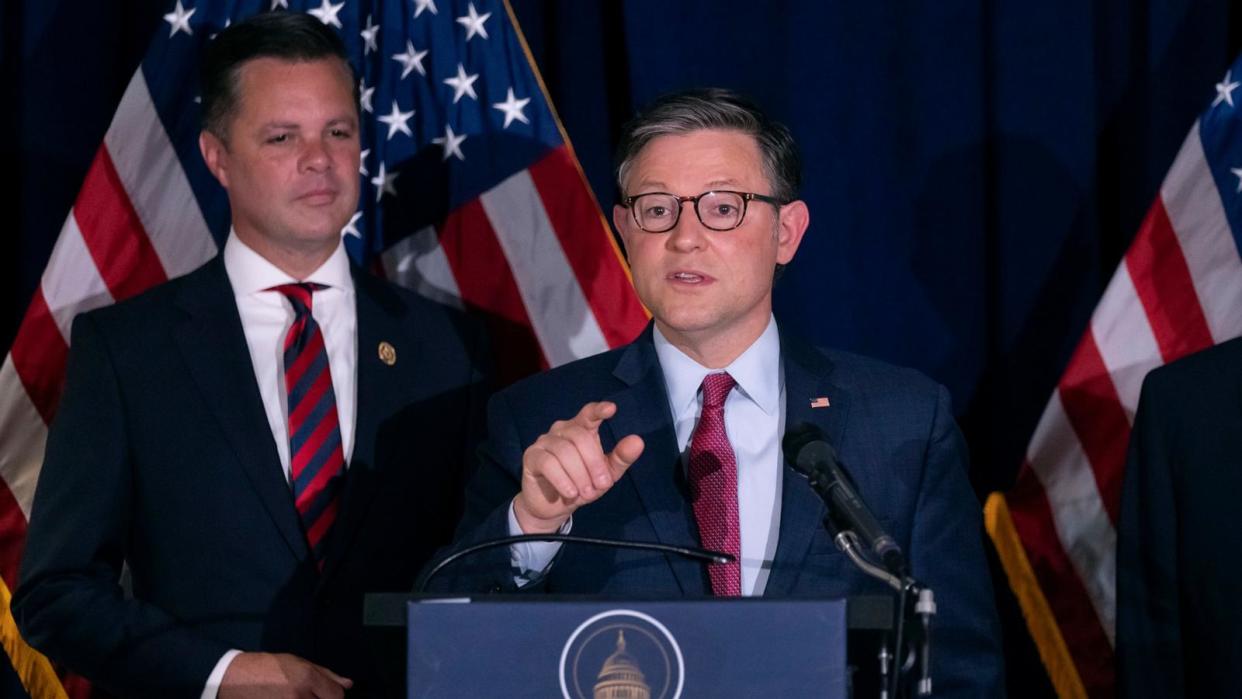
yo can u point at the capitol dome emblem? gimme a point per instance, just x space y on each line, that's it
621 654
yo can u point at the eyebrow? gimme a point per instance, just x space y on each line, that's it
713 184
338 121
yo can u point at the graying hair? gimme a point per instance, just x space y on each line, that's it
715 108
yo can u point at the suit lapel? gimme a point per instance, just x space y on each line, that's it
642 409
807 379
381 391
214 347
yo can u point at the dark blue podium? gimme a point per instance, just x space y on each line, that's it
522 646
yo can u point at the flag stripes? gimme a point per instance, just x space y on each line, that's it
419 262
1165 287
606 286
1209 246
473 252
114 236
71 282
1090 403
166 206
1177 290
38 355
560 316
529 249
20 460
1125 340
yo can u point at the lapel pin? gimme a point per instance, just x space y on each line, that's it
821 402
387 353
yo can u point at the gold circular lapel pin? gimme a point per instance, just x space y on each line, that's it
387 353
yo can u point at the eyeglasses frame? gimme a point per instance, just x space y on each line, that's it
628 203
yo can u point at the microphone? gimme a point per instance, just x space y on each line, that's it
701 555
807 448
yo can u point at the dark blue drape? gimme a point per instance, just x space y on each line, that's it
974 170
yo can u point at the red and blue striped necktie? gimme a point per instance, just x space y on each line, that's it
316 456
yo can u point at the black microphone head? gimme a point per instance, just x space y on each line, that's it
806 447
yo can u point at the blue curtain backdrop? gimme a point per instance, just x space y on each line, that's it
974 170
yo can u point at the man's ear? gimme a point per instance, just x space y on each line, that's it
621 219
794 219
215 154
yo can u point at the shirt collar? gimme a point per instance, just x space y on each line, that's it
756 371
250 273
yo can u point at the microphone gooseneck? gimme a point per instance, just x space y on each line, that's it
697 554
855 531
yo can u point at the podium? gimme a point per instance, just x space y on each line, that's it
588 648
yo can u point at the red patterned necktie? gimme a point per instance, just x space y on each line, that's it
316 458
713 486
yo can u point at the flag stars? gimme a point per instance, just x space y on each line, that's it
279 3
411 60
1237 172
512 107
362 162
351 228
421 5
397 120
1225 88
385 183
364 96
473 22
368 37
451 143
462 84
327 13
179 20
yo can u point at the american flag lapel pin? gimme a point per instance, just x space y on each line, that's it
820 402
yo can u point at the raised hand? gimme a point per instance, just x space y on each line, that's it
567 468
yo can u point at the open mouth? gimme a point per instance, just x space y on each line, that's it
689 277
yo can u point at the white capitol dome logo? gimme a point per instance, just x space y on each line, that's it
621 654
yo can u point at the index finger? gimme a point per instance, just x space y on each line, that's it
593 415
326 684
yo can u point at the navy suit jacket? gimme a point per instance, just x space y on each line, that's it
1179 579
892 428
161 456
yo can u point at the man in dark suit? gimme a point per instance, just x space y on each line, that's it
676 437
1179 620
261 441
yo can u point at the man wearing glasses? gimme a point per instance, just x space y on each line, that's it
676 437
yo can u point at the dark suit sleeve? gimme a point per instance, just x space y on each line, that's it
495 483
1149 640
68 603
947 555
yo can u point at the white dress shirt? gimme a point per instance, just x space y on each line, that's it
266 317
754 422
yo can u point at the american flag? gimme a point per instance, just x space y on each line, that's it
471 194
1177 290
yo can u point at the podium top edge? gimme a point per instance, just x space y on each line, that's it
388 609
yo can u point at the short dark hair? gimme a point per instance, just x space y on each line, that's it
715 108
291 36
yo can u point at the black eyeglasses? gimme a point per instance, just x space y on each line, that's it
719 210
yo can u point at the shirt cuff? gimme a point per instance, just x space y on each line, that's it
530 560
212 688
